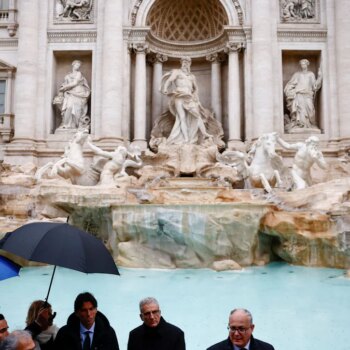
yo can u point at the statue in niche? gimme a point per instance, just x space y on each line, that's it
72 99
261 167
298 10
307 153
186 121
74 10
116 162
71 165
300 94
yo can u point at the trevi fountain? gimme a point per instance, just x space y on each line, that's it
184 134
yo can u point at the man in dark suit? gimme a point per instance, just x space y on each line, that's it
240 326
155 333
86 328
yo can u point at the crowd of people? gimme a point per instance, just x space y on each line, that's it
87 328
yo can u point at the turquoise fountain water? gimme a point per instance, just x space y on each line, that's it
293 307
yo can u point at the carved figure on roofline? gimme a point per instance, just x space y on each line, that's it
72 99
300 92
186 121
261 167
116 162
307 154
73 10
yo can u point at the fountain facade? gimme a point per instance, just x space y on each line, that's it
182 140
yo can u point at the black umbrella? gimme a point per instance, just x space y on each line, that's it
60 244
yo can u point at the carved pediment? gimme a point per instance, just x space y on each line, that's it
6 67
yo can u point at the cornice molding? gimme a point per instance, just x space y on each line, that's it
8 42
72 36
302 35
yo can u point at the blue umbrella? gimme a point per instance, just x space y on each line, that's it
8 268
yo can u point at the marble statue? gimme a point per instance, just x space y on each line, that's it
72 99
190 116
296 10
74 10
300 96
71 165
116 162
261 167
307 153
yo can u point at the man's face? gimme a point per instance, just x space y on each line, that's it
27 344
3 330
240 328
150 315
87 314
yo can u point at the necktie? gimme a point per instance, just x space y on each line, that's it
87 342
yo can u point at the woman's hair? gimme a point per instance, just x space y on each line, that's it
33 311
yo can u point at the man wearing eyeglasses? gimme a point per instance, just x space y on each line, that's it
240 337
155 333
3 328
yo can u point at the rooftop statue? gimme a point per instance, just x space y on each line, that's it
187 121
72 99
300 97
261 167
307 153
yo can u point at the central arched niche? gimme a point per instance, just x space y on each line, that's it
194 28
187 20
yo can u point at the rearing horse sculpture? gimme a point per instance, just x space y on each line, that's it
261 167
266 164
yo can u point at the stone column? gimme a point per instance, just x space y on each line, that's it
262 68
9 93
126 91
112 72
157 60
216 103
140 96
234 98
342 54
27 71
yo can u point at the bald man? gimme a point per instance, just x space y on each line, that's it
240 336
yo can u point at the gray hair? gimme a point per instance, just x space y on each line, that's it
248 313
146 301
12 341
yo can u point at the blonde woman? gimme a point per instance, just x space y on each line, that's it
39 323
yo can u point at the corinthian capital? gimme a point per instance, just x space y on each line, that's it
217 57
157 58
140 48
233 47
